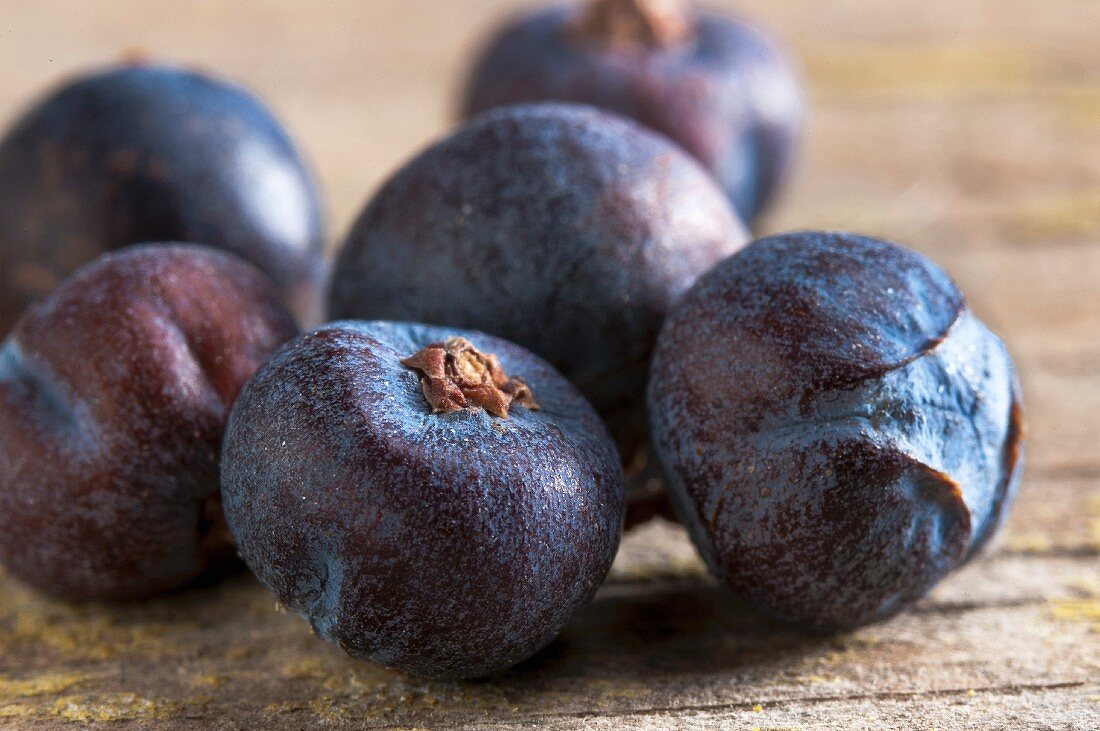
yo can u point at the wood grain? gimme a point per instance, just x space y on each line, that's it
967 130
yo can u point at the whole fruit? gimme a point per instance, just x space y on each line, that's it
562 228
438 501
838 430
114 392
150 153
718 87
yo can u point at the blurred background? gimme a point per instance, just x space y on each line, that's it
968 130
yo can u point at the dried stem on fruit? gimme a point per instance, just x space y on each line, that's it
454 375
625 24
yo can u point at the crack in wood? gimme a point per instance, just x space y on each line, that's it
962 607
1068 552
1065 471
1012 689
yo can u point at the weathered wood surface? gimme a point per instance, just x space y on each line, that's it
969 130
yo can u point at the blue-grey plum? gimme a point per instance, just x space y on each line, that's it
717 86
143 153
438 501
114 391
838 429
562 228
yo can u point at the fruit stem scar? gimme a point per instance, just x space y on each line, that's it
628 24
454 375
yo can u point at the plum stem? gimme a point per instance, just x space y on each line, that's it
633 23
454 375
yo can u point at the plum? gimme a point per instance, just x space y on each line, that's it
114 392
715 85
438 501
838 429
562 228
141 153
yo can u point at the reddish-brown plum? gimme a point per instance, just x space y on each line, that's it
114 392
441 502
838 429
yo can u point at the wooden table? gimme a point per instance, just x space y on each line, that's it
969 130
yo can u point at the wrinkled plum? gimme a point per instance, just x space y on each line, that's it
716 86
838 430
561 228
114 392
438 501
148 153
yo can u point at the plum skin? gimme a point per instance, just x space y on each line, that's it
838 430
443 545
114 392
564 229
139 153
726 94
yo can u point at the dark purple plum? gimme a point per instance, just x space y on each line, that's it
838 429
718 87
437 501
562 228
151 153
114 391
